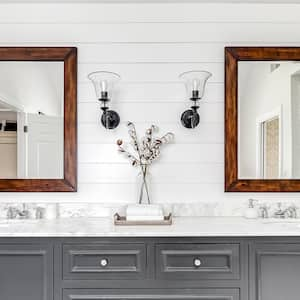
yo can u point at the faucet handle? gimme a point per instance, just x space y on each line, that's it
39 212
264 211
279 212
292 209
251 202
12 212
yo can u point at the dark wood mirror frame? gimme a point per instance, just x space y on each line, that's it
232 56
68 55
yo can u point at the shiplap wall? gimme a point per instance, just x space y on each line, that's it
150 45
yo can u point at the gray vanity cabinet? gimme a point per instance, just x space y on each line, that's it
275 271
26 272
144 268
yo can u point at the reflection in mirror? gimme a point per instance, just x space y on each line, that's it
31 120
268 119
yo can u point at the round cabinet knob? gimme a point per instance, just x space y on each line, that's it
103 262
197 262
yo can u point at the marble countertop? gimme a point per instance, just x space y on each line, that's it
182 226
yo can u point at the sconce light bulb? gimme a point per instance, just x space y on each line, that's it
104 86
195 84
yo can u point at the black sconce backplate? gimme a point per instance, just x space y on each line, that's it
110 119
190 118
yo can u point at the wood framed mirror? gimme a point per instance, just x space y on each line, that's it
38 119
262 119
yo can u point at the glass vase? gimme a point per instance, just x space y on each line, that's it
143 184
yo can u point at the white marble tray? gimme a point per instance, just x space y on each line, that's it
121 221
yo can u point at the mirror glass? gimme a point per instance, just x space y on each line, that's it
31 120
268 119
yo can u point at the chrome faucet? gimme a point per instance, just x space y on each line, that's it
14 213
290 212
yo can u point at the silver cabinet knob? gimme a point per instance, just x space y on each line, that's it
197 262
104 262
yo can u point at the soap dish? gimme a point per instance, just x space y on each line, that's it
122 221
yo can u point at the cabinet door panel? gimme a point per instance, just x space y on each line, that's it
26 272
157 294
276 272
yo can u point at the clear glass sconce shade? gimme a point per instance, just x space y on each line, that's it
104 82
195 81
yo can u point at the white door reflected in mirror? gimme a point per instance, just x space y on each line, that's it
31 120
270 157
268 120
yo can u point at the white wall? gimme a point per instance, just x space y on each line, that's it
33 86
149 45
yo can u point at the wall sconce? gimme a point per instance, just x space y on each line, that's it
195 85
103 83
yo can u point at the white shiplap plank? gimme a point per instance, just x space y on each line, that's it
159 52
172 153
150 32
150 112
154 72
147 12
162 52
151 92
205 133
160 173
161 193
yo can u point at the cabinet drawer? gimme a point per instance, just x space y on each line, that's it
104 261
156 294
198 261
